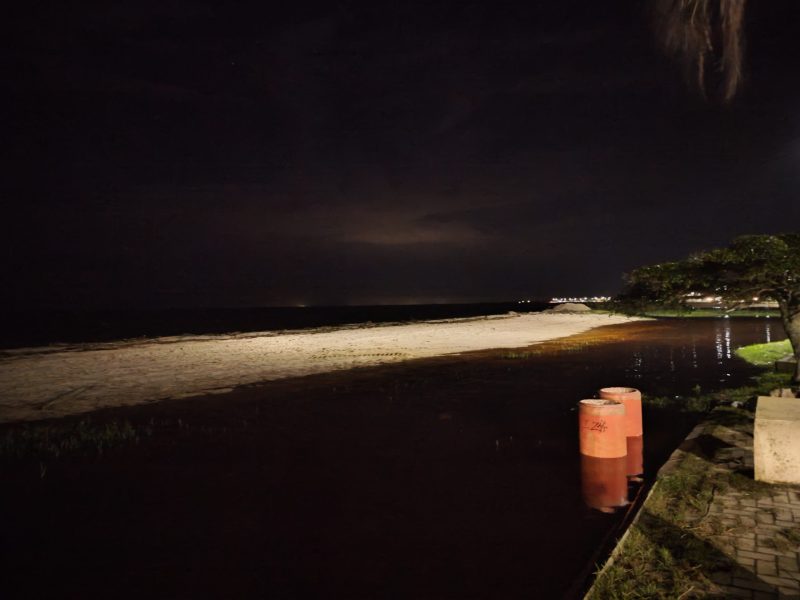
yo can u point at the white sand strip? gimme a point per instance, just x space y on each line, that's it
48 382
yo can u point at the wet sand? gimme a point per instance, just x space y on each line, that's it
50 382
448 477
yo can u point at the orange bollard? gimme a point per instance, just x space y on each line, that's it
604 485
601 428
632 399
635 459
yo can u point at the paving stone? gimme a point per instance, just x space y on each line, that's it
760 583
736 592
788 594
766 541
745 512
743 544
783 582
765 595
788 563
756 555
765 518
789 574
766 567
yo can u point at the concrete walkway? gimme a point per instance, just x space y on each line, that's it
760 530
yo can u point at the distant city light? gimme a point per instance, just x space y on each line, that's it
581 299
696 298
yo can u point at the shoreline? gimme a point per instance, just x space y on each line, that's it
48 382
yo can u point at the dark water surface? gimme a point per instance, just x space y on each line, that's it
456 477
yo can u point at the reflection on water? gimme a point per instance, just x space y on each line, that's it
604 482
727 336
608 483
689 353
635 457
638 362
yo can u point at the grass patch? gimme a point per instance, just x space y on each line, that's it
54 440
764 354
746 395
700 403
690 404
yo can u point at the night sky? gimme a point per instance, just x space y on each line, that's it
172 153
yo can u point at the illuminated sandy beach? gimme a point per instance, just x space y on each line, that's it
51 382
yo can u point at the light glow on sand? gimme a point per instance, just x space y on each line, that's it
51 382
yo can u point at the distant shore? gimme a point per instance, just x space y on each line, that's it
40 383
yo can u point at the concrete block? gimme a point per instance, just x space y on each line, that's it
776 443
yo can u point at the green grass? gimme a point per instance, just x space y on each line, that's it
700 402
764 354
